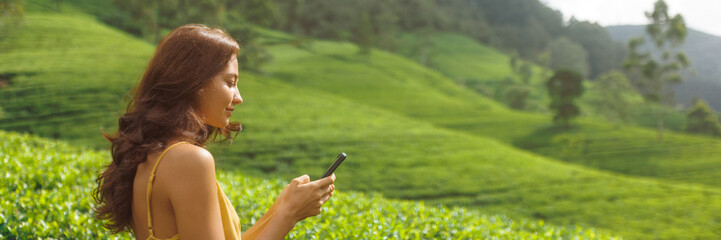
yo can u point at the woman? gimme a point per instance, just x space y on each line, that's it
161 182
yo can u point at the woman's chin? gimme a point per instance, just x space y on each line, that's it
219 124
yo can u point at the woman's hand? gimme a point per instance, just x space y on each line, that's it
302 198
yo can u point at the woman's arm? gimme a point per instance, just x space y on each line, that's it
257 228
298 200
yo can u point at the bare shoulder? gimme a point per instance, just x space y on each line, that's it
189 161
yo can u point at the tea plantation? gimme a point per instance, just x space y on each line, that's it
621 149
47 185
410 133
402 86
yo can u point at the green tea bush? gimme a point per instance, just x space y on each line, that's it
47 185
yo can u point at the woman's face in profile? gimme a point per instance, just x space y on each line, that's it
217 99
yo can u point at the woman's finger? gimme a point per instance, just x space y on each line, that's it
328 189
302 179
325 198
322 183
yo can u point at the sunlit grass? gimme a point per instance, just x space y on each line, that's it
47 187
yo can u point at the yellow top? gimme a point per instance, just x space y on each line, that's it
231 223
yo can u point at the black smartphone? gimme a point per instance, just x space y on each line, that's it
335 165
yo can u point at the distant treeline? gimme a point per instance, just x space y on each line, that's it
527 28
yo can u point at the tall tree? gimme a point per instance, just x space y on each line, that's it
517 92
654 75
364 35
521 69
701 119
566 54
604 54
563 88
613 95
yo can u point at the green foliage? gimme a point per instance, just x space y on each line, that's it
253 55
364 38
153 19
525 26
402 125
613 97
604 54
78 85
702 120
701 49
653 76
11 14
517 93
477 67
47 188
563 88
566 54
405 164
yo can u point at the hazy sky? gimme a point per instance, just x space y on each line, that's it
702 15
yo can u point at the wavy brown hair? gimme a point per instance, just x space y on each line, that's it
163 108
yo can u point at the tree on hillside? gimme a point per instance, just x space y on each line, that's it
544 59
364 35
154 18
516 93
566 54
526 26
521 68
652 76
702 120
604 54
253 54
563 88
613 96
517 96
11 14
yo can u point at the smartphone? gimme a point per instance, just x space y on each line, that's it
335 165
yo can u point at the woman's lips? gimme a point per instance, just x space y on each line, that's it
229 111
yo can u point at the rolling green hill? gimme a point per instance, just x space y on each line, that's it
472 65
67 80
320 102
484 69
432 97
47 186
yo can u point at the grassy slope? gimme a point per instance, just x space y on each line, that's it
289 129
623 149
626 150
71 77
332 65
50 182
453 161
472 65
483 68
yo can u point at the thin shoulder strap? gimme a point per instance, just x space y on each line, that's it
150 186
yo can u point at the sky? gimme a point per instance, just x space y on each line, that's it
702 15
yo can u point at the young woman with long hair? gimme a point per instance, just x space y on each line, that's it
161 181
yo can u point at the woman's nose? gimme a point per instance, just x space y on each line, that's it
237 99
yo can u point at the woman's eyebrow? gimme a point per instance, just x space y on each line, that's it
233 75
